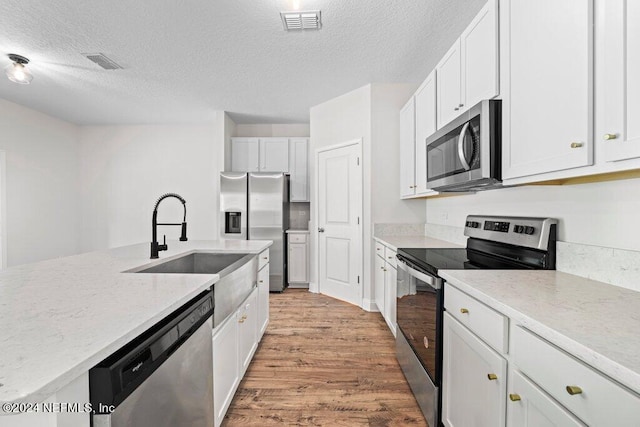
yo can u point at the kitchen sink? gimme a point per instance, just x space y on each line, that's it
198 263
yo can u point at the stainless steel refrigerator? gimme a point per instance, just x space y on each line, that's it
255 206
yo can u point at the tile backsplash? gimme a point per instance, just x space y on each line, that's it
299 213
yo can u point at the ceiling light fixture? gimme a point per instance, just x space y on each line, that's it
18 72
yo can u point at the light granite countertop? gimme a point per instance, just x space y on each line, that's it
60 317
296 231
593 321
396 242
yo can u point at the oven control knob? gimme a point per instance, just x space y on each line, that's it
517 229
529 230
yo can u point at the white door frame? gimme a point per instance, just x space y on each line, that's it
358 143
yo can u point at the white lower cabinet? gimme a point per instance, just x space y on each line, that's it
545 386
263 300
529 406
589 395
385 279
247 319
390 294
226 375
235 341
474 379
298 263
378 281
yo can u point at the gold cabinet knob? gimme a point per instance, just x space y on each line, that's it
608 136
464 311
377 249
514 397
576 144
573 390
265 258
492 377
261 281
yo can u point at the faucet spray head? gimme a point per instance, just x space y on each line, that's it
183 235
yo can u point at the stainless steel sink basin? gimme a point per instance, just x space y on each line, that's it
199 263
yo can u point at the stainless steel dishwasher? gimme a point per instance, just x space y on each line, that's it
162 378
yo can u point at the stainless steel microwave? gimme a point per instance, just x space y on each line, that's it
465 155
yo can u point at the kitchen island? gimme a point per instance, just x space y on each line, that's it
60 317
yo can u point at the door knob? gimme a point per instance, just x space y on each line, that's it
320 230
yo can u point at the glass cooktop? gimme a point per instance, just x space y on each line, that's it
434 259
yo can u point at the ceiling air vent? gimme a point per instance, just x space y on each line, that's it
102 61
307 20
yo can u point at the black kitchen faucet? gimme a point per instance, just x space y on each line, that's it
155 246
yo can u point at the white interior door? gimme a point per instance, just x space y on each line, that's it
339 223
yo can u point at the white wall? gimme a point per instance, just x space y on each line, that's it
293 130
372 114
387 207
124 169
600 214
42 170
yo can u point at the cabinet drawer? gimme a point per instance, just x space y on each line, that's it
598 401
485 322
379 249
297 238
390 257
263 259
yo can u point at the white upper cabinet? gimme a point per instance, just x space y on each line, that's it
468 73
479 52
298 168
287 155
547 85
274 155
620 54
245 154
425 100
407 149
260 154
417 122
449 96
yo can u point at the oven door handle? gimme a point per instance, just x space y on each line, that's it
461 155
434 282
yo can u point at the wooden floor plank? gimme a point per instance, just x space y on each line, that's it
323 362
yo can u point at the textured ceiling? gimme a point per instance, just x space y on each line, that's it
185 59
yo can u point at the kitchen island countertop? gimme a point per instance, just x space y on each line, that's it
62 316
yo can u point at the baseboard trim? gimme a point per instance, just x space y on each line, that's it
369 305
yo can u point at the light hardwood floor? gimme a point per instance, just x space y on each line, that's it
323 362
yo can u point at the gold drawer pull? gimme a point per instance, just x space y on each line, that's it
514 397
492 377
265 257
261 281
576 144
608 136
573 390
464 311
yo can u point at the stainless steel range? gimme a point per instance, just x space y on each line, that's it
494 243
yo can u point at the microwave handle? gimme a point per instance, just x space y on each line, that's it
463 160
